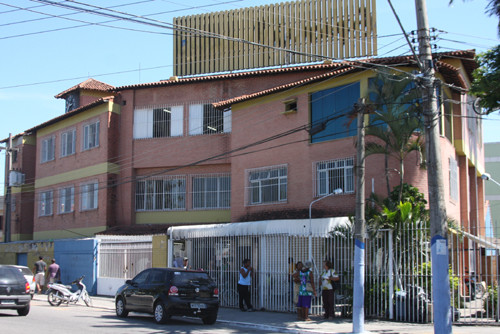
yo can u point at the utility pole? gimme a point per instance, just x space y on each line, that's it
358 317
437 208
8 195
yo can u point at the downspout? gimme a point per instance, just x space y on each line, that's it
170 246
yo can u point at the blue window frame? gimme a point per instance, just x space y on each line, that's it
329 108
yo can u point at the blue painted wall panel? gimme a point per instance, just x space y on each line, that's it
76 258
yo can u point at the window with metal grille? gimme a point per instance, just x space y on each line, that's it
334 174
48 149
66 199
267 185
89 196
211 191
91 135
68 139
45 203
164 194
205 119
158 122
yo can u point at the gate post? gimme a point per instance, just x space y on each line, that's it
391 277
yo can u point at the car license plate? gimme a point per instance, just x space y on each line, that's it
198 305
7 302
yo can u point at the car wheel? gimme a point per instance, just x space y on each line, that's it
23 311
209 320
121 311
55 298
160 314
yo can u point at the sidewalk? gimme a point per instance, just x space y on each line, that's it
288 323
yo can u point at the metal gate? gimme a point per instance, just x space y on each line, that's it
398 276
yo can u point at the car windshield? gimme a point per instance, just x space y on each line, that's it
182 278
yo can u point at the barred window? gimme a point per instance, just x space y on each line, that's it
334 174
211 192
48 149
158 122
205 119
89 196
45 203
66 199
161 194
267 185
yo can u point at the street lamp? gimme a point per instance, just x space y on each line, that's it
335 192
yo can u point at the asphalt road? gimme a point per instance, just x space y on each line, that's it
79 319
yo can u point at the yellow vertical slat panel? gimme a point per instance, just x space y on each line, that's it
282 33
373 27
184 46
363 27
315 31
324 28
231 52
198 38
265 32
246 31
302 32
336 29
275 32
218 43
212 43
205 44
239 35
225 32
352 26
251 37
260 38
190 46
292 24
175 49
345 27
307 31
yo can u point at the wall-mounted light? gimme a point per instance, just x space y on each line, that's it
212 128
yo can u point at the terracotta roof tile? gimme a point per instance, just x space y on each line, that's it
89 84
450 73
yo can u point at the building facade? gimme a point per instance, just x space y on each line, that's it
232 148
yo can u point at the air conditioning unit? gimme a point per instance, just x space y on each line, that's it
16 179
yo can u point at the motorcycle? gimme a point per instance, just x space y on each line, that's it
60 293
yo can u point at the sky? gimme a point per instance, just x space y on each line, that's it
45 49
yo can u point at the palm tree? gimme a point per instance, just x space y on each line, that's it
396 123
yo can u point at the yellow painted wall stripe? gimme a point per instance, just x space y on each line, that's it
183 217
77 174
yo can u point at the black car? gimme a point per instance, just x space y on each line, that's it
165 292
14 290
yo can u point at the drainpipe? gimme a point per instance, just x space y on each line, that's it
170 247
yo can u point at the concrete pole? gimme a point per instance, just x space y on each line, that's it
358 315
439 241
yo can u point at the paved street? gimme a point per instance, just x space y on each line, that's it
79 319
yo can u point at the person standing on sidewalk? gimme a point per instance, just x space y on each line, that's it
296 287
39 269
54 272
307 290
327 289
244 282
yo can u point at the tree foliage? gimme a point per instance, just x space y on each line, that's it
486 84
396 121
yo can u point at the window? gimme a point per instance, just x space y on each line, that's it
48 149
205 119
68 143
290 106
267 185
89 196
453 179
67 199
45 203
91 136
334 174
328 112
158 122
165 194
211 192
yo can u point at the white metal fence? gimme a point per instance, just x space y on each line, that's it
398 273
